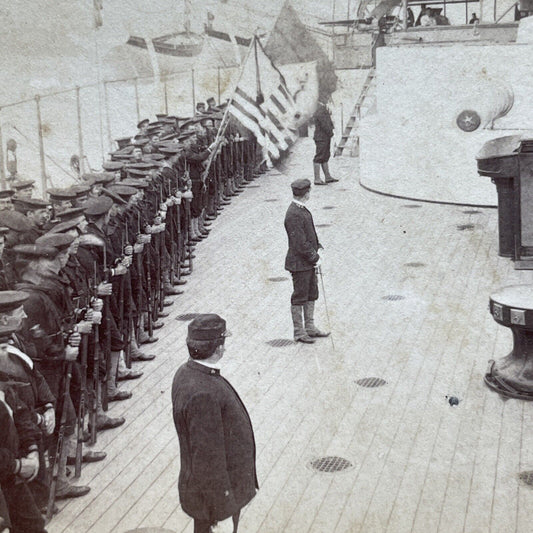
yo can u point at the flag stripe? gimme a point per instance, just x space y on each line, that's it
249 123
286 139
243 95
269 141
250 116
277 103
284 91
275 135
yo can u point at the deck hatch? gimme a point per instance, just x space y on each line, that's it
330 464
187 316
371 383
279 343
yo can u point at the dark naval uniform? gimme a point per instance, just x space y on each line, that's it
323 133
18 437
217 446
322 137
302 254
300 261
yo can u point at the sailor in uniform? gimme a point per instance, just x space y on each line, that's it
301 261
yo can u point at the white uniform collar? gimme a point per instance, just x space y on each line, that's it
15 351
216 366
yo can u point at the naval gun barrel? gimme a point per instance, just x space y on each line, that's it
488 100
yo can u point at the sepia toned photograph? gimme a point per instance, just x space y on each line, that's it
265 267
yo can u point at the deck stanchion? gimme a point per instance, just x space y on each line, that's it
80 132
41 145
165 88
107 119
2 167
218 84
137 109
193 93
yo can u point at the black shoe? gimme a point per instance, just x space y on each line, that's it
169 291
318 333
186 272
119 396
180 281
88 457
71 491
129 374
305 339
162 314
104 422
148 340
331 180
141 356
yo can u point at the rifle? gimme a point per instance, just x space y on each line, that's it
60 448
149 291
139 265
175 243
96 372
81 408
107 318
188 222
162 255
121 297
157 304
127 333
216 177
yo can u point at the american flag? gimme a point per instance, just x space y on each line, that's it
262 103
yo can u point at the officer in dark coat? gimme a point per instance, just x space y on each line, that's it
322 137
301 260
217 446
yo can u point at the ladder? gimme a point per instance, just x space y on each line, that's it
356 113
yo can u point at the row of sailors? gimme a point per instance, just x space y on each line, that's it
86 277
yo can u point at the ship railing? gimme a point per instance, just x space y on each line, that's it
81 123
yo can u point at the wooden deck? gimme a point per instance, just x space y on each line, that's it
407 287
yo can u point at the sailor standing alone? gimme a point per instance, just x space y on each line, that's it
217 446
301 261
